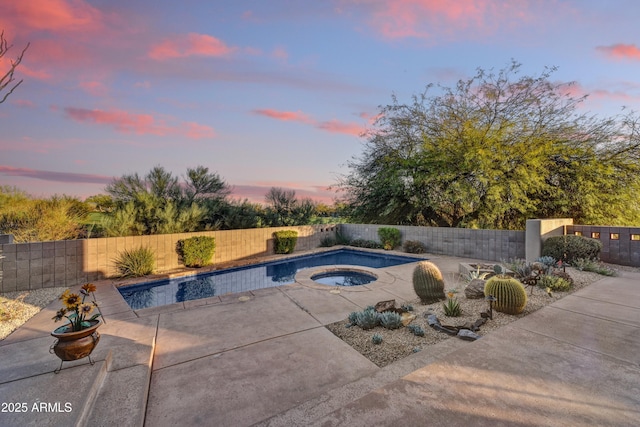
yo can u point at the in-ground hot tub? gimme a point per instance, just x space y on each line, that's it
346 277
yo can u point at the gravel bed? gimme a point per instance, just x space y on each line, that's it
18 307
399 343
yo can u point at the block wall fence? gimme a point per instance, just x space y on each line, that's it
72 262
38 265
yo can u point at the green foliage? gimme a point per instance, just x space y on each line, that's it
452 308
38 220
564 275
390 320
197 251
284 209
389 237
136 262
376 339
554 283
428 282
414 247
511 297
158 203
284 242
568 248
584 264
367 319
493 151
416 330
353 318
368 244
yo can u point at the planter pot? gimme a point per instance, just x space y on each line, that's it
75 345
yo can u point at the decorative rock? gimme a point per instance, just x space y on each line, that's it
432 320
475 289
407 318
467 335
383 306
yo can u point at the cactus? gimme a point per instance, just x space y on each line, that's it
367 319
511 297
376 339
428 282
391 320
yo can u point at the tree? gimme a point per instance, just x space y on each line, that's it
493 151
159 203
285 209
7 80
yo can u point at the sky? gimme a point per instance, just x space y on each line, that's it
270 93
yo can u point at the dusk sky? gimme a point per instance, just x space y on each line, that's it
273 92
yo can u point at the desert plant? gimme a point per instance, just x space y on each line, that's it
452 308
328 241
197 251
428 282
284 242
376 339
416 330
570 247
511 297
135 263
353 318
472 275
563 274
368 244
549 262
406 307
414 247
367 319
390 320
554 283
583 264
389 237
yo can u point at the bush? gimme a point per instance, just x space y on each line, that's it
593 266
554 283
368 244
197 251
285 241
135 263
414 247
573 246
389 237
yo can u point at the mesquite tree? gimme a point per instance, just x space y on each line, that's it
493 151
7 79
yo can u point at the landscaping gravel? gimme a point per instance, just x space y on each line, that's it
18 307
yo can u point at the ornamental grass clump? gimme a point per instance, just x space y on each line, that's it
135 263
76 310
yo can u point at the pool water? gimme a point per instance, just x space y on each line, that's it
248 278
343 278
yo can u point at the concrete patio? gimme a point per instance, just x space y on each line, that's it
264 358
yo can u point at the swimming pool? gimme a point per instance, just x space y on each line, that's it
249 278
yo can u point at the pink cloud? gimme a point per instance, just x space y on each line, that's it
621 51
191 44
333 126
255 192
94 88
430 18
53 15
140 124
55 176
24 103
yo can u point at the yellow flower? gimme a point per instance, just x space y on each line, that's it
450 294
85 308
71 300
89 287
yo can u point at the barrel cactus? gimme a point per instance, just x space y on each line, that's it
510 295
428 282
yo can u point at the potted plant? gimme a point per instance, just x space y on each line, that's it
78 338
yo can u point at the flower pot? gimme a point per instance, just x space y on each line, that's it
75 345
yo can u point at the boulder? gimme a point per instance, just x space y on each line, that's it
475 289
467 335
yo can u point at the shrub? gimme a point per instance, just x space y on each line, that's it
428 282
285 241
511 298
376 339
367 319
573 246
328 241
135 263
554 283
416 330
593 266
197 251
389 237
390 320
368 244
414 247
